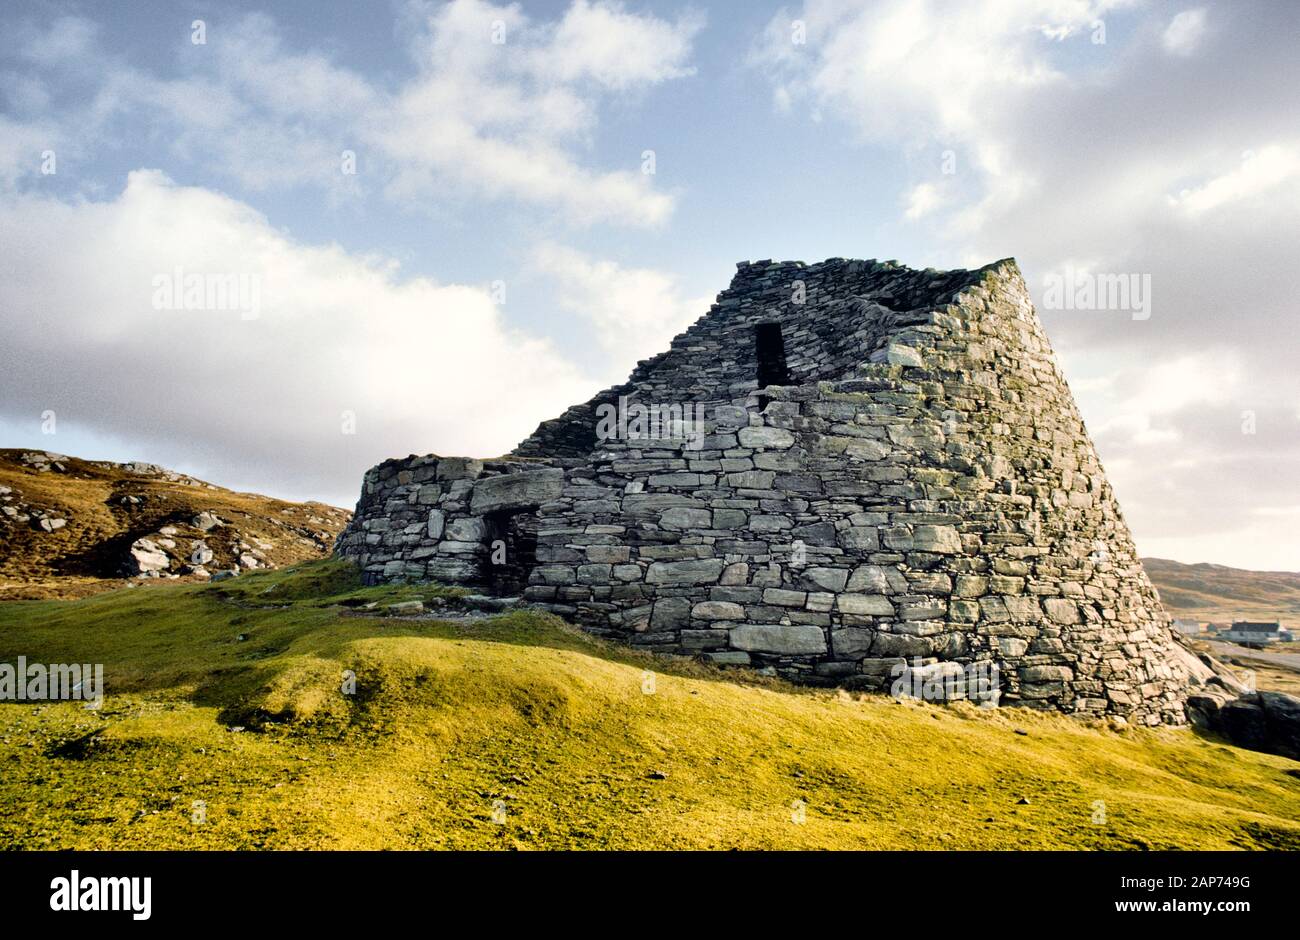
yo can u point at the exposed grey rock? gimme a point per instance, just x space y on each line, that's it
527 489
778 597
1061 610
718 610
853 642
405 608
899 355
936 538
778 638
734 574
703 571
867 450
204 521
766 437
681 517
825 579
451 570
466 529
492 604
459 468
670 613
730 658
859 539
1259 721
933 680
874 605
146 556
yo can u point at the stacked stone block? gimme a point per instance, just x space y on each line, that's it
923 489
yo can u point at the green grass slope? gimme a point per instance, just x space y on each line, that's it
518 732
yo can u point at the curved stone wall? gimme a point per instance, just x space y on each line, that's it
925 490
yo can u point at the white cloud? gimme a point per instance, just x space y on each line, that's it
1200 459
616 48
1134 402
498 120
1068 149
471 121
1258 172
912 69
252 61
423 365
922 199
919 74
1184 32
632 310
476 120
21 146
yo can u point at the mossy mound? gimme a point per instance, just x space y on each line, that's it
518 731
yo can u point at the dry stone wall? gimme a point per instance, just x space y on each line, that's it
922 488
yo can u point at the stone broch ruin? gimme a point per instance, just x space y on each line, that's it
891 466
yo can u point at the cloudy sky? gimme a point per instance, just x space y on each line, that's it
455 219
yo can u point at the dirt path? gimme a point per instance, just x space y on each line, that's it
1233 651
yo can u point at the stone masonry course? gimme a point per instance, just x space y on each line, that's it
919 487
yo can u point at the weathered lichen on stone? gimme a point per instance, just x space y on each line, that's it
921 486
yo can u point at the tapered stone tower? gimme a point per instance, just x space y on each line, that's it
841 467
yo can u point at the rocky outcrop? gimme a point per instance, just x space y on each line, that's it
917 488
179 550
146 557
1260 721
71 527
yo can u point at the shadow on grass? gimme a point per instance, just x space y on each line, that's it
258 647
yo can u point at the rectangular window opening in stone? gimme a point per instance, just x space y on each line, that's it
770 348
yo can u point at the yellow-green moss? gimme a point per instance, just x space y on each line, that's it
556 734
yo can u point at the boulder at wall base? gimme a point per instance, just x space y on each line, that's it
778 638
1258 721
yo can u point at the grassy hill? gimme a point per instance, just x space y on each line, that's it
67 526
1222 594
515 731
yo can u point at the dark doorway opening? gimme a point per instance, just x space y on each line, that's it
769 346
512 550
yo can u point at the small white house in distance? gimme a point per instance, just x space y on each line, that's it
1252 631
1190 627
